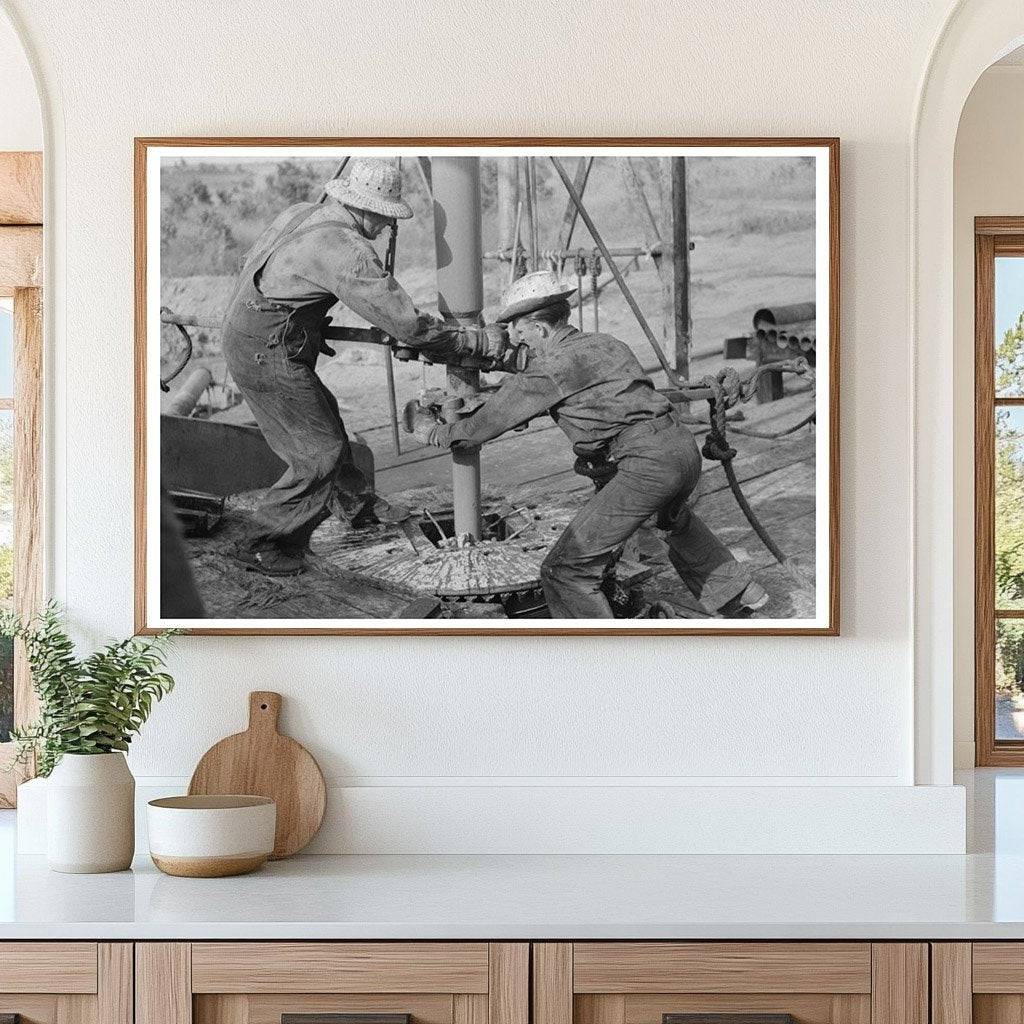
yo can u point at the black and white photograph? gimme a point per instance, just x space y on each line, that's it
464 388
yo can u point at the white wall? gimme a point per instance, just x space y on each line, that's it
443 713
988 181
21 125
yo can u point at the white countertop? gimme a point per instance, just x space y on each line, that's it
978 896
532 897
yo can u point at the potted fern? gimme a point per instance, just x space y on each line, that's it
89 710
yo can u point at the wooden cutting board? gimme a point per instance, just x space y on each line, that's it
262 762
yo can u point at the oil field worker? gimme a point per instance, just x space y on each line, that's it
625 434
312 256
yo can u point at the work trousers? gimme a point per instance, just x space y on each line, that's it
653 472
300 420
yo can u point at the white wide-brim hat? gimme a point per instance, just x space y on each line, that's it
531 292
374 185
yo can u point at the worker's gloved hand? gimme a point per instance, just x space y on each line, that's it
419 422
493 340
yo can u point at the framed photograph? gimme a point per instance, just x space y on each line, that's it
487 386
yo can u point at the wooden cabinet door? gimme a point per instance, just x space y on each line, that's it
263 982
979 982
736 982
66 982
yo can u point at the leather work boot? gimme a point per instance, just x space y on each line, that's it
379 512
271 561
753 599
729 590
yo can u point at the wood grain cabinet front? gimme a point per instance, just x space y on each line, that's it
66 982
977 983
315 982
730 983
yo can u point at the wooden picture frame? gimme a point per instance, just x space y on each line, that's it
993 237
21 271
825 621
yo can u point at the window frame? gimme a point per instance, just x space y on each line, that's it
21 252
993 237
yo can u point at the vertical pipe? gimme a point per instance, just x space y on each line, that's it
508 202
579 285
534 213
389 366
460 299
681 266
513 263
389 373
530 242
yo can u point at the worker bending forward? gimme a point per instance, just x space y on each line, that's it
626 435
312 256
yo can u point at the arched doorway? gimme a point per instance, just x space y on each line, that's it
976 34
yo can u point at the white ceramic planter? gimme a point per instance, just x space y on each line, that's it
90 814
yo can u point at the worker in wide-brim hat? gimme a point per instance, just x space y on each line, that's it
374 186
311 257
627 437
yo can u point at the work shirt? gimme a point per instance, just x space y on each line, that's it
592 384
333 258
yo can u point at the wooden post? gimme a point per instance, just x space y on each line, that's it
571 214
681 267
653 240
531 165
526 238
508 201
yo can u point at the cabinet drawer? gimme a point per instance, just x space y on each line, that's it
635 967
48 967
260 982
66 982
734 982
340 967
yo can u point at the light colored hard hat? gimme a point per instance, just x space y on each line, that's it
374 185
531 292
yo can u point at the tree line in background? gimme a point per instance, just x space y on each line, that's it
211 213
1009 510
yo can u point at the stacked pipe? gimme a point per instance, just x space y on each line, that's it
786 327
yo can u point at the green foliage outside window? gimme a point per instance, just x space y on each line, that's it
1009 483
1009 508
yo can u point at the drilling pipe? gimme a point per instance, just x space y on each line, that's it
460 300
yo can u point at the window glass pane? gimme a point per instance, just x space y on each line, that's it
6 349
1009 487
6 567
1009 679
1009 322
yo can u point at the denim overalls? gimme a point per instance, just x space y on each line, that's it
271 348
